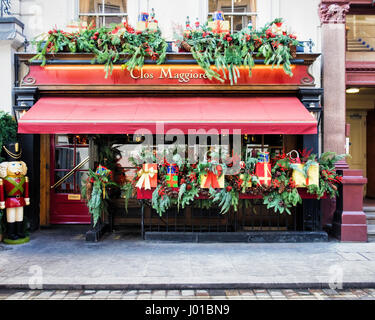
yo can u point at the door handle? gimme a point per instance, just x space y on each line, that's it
78 166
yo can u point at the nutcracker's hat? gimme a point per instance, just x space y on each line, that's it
12 152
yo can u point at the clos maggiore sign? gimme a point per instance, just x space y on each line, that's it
163 75
169 73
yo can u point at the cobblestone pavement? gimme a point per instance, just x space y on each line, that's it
256 294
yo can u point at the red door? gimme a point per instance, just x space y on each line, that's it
67 205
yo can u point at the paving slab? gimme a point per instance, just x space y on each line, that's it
61 259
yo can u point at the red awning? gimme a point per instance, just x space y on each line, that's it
261 115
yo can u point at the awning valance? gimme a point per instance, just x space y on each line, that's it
118 115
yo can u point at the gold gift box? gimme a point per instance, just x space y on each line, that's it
141 26
220 181
153 26
312 176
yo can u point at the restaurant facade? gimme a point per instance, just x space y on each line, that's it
73 119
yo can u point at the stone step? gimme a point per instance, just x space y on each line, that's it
371 230
368 208
356 46
360 50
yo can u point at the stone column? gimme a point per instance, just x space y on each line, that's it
332 15
347 216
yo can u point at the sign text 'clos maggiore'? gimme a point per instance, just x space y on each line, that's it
168 73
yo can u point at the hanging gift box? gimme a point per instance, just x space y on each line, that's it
263 157
143 16
302 179
219 26
172 175
278 28
148 176
103 171
141 26
152 26
263 169
263 172
301 176
210 179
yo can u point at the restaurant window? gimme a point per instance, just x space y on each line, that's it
274 144
238 12
360 33
102 12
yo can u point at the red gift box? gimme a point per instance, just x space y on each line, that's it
263 172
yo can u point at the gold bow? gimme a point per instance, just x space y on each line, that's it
145 175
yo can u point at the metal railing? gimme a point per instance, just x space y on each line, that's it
256 217
5 8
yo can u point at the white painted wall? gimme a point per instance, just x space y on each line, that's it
42 15
7 76
301 18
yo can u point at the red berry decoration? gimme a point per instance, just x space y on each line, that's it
188 187
182 181
229 188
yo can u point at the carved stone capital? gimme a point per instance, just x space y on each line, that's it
333 12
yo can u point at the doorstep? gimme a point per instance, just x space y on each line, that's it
245 237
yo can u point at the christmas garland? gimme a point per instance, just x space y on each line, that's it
108 44
95 191
228 52
281 194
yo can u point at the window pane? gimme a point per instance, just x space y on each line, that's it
63 139
242 6
80 178
93 21
361 32
72 184
64 158
219 5
115 20
90 6
70 139
114 6
67 186
240 22
273 144
81 139
273 140
81 154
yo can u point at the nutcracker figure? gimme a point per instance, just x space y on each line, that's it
14 190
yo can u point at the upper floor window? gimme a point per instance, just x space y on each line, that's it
239 12
102 12
360 32
168 13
